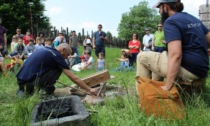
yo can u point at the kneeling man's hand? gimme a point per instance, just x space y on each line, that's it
93 91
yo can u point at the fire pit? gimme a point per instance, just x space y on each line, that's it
64 111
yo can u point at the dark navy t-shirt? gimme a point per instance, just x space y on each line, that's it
98 40
40 62
192 33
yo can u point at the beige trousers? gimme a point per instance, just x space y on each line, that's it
154 65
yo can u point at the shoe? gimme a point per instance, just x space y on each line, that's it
20 94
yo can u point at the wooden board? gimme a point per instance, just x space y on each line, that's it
96 78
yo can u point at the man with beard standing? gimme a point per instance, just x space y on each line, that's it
188 41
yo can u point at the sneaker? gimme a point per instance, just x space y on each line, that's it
20 94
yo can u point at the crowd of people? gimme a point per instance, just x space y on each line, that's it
179 51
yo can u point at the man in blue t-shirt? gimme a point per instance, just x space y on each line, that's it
187 40
44 67
99 39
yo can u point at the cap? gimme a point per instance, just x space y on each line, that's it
87 51
147 29
165 1
82 57
88 41
13 54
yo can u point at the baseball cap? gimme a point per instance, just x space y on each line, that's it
164 1
82 57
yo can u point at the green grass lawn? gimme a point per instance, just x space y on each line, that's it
119 111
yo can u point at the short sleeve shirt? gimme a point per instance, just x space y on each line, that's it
137 43
191 32
2 32
41 62
90 60
158 39
98 40
74 40
146 40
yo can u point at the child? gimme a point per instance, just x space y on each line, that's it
38 44
13 43
80 66
124 61
72 57
20 49
90 61
48 43
15 63
30 48
83 63
100 64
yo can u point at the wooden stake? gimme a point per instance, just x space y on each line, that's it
74 88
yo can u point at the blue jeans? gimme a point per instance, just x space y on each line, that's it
77 52
132 59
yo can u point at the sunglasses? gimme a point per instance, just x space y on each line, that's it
159 26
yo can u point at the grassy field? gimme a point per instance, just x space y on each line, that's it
120 111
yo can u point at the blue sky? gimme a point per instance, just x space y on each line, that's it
78 14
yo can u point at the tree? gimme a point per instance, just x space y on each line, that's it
135 21
18 14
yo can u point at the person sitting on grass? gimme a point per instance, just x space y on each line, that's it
15 62
48 43
45 71
3 51
72 57
30 48
124 64
21 49
83 62
2 67
38 45
100 64
90 61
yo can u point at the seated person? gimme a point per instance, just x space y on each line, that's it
83 62
20 49
3 51
90 60
30 48
128 55
100 64
124 61
2 67
15 63
72 57
13 43
38 45
48 43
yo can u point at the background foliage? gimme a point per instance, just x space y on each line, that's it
135 21
16 14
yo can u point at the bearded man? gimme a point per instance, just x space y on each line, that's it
188 41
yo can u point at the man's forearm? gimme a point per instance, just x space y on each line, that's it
76 80
173 69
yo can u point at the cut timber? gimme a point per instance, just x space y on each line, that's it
96 78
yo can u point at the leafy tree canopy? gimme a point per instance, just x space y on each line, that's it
135 21
18 13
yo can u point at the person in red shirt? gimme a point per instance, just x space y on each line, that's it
134 46
27 38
